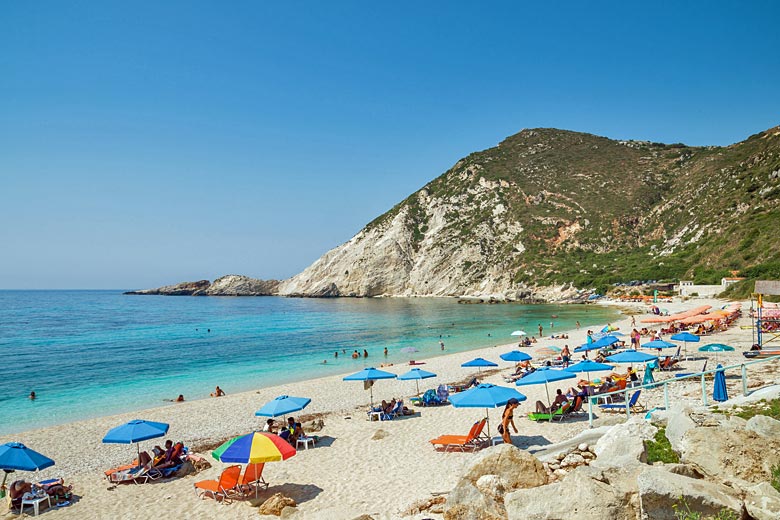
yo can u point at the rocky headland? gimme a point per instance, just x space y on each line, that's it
230 285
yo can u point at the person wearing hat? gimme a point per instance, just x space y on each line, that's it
270 426
507 418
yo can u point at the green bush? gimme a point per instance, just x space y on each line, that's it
776 477
660 449
682 511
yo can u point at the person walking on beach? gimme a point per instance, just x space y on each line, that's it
507 419
578 325
565 356
633 321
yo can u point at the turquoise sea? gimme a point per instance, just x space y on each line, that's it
93 353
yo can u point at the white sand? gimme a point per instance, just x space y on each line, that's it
348 473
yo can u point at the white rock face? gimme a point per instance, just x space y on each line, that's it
764 426
623 444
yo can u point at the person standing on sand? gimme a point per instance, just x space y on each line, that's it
633 321
578 325
565 356
540 330
508 418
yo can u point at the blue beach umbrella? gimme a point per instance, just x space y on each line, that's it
598 344
587 366
515 356
283 405
659 343
368 376
631 356
720 393
545 376
416 374
479 363
485 396
685 337
17 456
134 432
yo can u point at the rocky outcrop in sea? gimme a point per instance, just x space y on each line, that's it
230 285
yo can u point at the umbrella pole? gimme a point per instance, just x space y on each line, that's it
487 421
549 403
416 382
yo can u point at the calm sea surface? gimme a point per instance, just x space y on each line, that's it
93 353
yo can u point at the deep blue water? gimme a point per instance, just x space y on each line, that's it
92 353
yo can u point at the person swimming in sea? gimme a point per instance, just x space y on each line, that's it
32 395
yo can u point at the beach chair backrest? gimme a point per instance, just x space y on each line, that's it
252 472
472 431
229 477
634 398
480 427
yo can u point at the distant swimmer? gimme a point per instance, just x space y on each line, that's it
177 400
385 351
355 355
441 344
336 354
32 396
218 392
208 330
365 353
324 361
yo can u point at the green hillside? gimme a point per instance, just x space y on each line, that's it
595 211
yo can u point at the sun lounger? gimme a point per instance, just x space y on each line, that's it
471 442
633 404
136 474
223 489
545 416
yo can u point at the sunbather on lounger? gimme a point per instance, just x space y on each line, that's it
560 400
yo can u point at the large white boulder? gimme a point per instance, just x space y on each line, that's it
677 423
623 444
660 491
725 454
479 494
599 499
763 502
764 426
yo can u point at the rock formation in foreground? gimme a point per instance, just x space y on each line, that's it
230 285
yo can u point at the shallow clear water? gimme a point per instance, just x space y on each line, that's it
93 353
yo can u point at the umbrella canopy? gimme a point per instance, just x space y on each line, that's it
519 333
485 396
515 356
686 336
283 405
253 448
716 347
416 374
586 365
17 456
370 374
659 343
598 344
720 393
479 362
631 356
135 431
545 376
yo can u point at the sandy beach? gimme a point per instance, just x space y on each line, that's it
351 471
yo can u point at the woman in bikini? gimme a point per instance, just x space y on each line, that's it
509 418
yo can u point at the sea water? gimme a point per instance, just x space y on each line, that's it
93 353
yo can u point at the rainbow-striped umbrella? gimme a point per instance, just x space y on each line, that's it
254 447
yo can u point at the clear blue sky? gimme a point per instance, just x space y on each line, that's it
144 143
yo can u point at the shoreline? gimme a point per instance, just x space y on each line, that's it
322 480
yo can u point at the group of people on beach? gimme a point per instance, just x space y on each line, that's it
291 431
